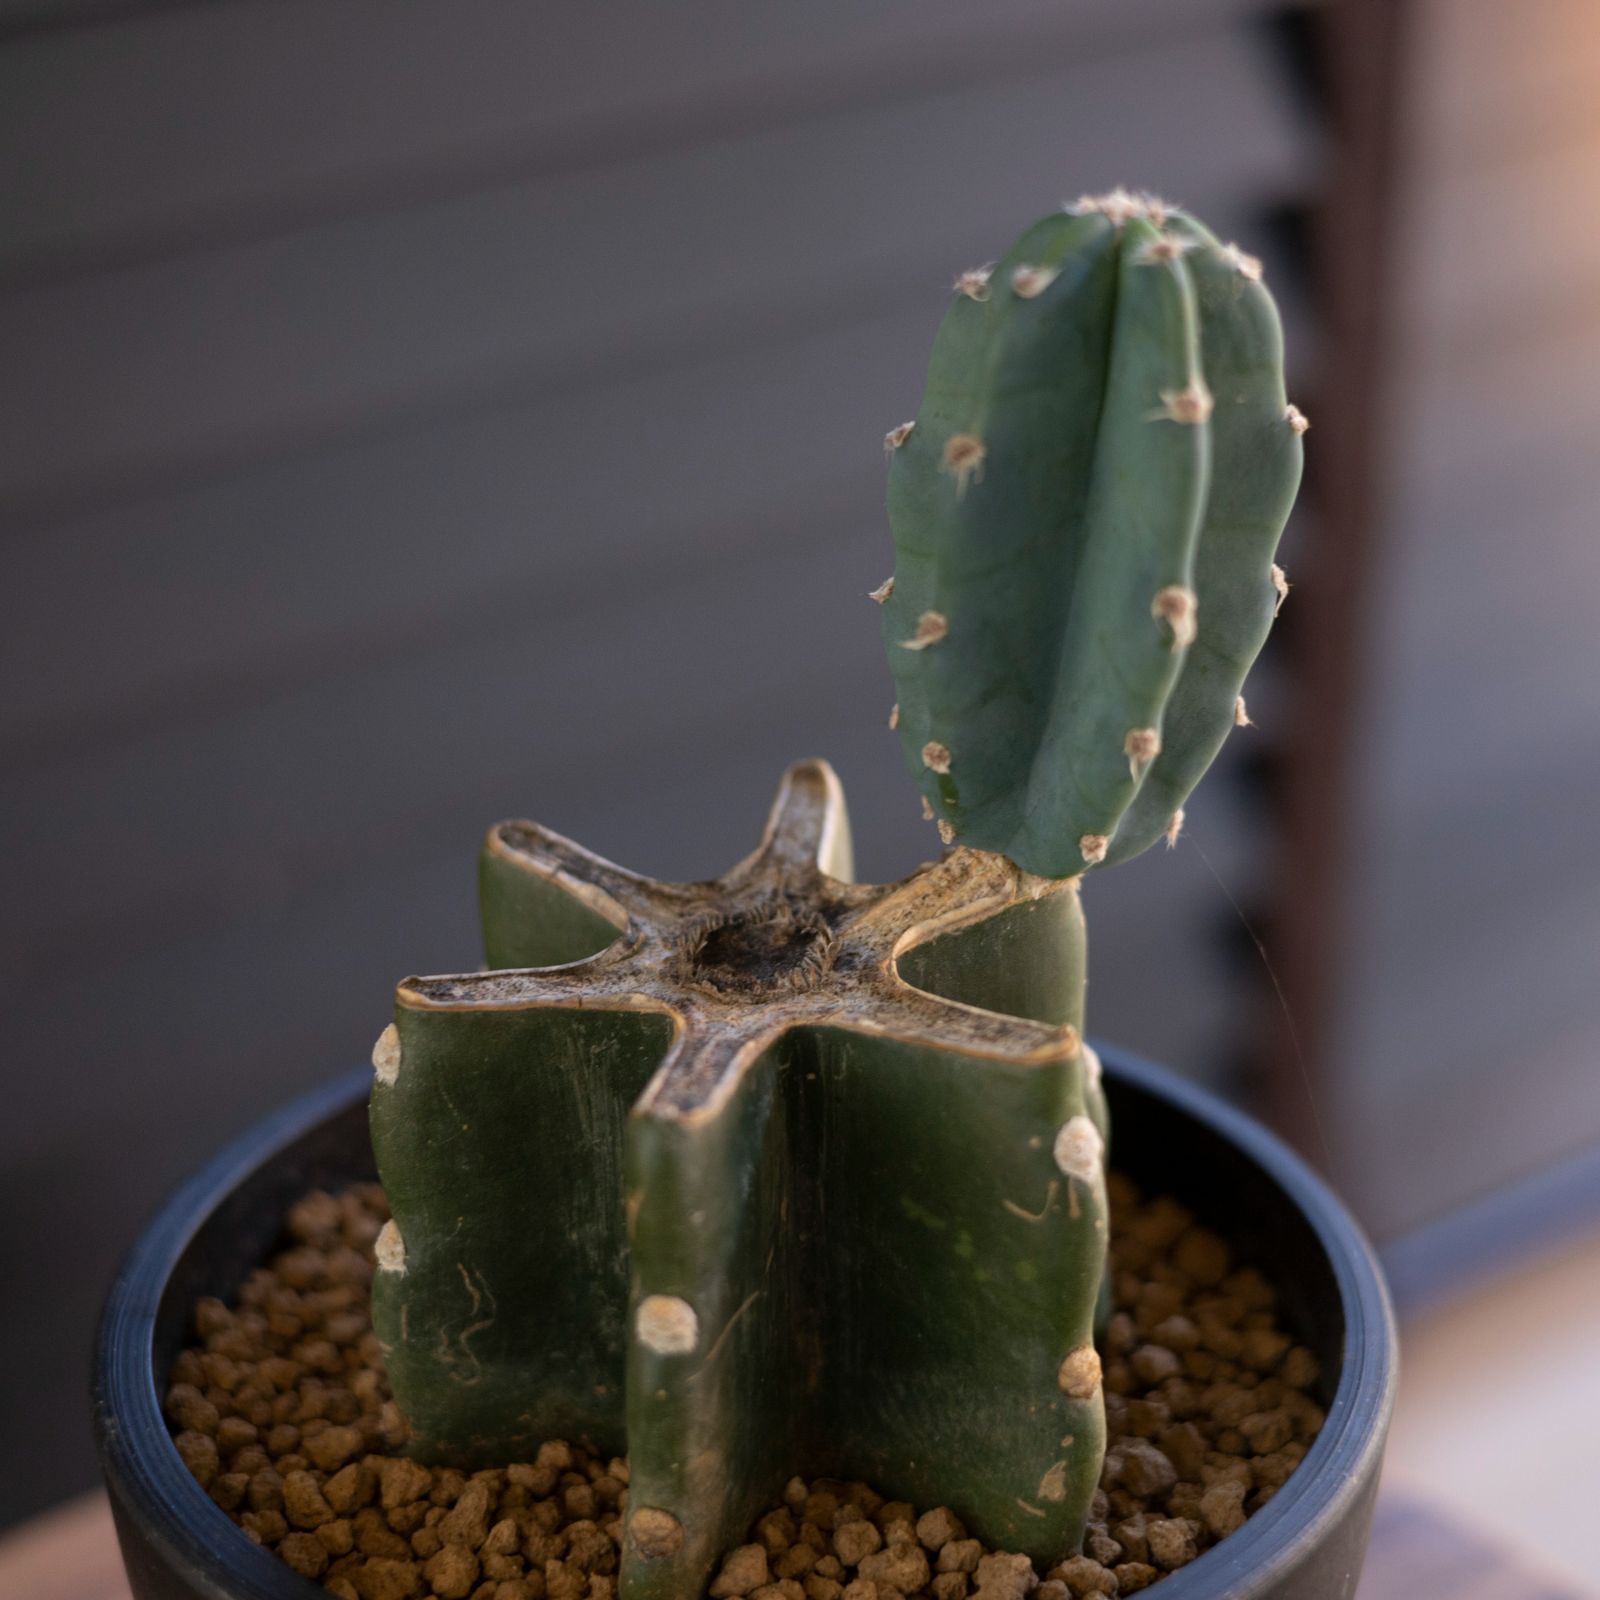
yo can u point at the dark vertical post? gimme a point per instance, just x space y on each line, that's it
1363 58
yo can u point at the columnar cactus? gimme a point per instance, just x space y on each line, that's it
783 1173
770 1171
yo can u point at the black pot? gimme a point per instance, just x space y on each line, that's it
1171 1138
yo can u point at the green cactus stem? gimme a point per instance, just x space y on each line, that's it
1085 511
769 1174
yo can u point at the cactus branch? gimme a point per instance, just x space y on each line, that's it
1104 444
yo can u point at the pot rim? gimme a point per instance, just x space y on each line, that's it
148 1478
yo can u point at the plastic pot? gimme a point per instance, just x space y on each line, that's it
1171 1138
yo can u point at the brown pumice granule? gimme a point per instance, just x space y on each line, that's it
283 1414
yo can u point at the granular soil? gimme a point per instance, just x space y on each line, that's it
282 1412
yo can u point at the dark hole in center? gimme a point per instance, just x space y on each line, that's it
764 951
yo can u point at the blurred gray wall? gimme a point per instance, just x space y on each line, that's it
417 414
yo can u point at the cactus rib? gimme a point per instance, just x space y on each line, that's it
1256 458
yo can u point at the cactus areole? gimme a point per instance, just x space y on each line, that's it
784 1173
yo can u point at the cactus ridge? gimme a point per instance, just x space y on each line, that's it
1087 502
763 1173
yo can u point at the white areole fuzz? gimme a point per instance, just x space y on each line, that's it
386 1055
667 1325
390 1248
1079 1149
1092 1070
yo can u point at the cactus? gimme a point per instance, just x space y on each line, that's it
783 1173
1085 512
770 1173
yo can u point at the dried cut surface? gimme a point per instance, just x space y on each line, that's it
776 943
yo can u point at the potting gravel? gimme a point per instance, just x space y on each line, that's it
282 1412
